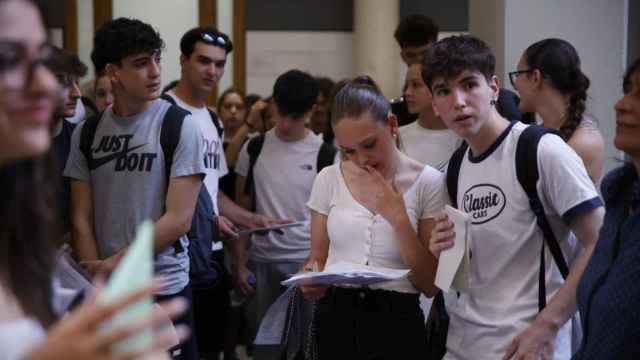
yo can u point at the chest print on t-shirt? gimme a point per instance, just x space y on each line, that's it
120 149
211 153
483 202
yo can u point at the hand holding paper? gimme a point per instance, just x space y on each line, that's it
453 263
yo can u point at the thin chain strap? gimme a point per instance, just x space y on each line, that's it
311 345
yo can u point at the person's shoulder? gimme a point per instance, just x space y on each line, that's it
587 139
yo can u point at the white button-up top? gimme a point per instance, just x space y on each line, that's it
357 235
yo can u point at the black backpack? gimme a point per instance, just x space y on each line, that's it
326 155
204 270
203 230
528 174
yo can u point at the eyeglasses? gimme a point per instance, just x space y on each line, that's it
514 75
214 40
17 66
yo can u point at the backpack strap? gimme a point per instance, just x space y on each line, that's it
453 172
214 116
217 124
87 135
169 140
528 175
254 147
326 156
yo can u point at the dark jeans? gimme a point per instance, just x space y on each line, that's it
365 324
210 310
188 349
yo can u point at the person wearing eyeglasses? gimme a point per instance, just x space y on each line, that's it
551 83
29 327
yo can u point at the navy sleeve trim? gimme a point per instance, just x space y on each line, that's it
581 209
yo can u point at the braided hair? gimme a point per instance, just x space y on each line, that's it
558 61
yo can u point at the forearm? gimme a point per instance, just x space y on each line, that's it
234 212
234 146
83 240
415 255
168 229
562 305
239 254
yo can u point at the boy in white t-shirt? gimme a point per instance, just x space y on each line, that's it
427 139
497 316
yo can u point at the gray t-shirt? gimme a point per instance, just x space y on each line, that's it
283 177
129 185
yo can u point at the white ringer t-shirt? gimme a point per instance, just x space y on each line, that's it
502 299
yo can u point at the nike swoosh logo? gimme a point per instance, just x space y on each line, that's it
96 163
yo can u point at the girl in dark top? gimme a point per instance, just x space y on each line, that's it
232 111
609 291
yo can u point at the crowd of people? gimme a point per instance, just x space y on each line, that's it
551 260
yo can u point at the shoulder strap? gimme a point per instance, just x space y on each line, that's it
170 135
528 175
453 172
217 124
168 98
326 156
254 147
87 134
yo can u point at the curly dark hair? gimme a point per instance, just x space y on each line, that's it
208 35
122 37
295 92
451 56
558 61
416 30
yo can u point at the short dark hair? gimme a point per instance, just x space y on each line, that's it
207 35
123 37
295 92
325 85
66 63
451 56
416 30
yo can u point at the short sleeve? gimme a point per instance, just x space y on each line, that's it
187 159
76 167
432 192
323 190
242 165
564 181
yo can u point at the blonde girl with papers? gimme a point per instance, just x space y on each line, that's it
375 208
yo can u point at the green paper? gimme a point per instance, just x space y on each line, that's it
134 271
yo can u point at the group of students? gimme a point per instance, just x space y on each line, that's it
539 249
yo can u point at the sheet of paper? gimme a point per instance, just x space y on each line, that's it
274 227
134 271
346 273
451 260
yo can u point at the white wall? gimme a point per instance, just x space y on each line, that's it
271 53
85 34
596 28
171 18
225 24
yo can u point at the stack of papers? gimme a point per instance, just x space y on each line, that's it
454 263
346 273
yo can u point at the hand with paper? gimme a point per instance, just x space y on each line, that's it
116 321
450 241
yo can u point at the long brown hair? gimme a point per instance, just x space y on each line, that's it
26 248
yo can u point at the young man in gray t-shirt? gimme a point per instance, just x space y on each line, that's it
122 180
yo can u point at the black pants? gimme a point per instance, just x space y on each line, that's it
364 324
211 310
188 349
